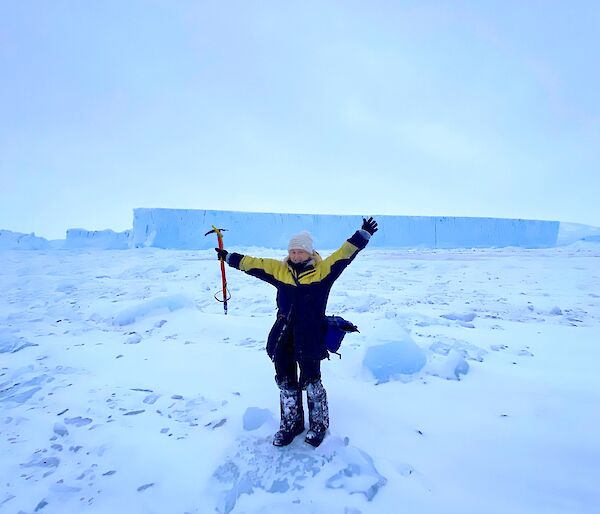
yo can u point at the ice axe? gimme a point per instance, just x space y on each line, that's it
226 294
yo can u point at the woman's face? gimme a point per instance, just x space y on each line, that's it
297 256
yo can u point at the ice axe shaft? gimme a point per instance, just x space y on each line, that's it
226 296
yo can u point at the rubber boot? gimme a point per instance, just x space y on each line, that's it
292 416
318 413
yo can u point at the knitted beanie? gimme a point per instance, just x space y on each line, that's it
301 241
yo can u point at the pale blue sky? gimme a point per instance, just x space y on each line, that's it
468 108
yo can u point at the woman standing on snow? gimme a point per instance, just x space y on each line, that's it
303 281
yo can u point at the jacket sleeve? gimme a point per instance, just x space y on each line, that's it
264 269
338 261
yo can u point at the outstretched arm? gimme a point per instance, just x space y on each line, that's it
339 260
264 269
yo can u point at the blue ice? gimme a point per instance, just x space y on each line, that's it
388 360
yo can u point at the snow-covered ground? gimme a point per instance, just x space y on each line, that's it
124 388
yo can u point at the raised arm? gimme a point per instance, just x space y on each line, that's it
339 260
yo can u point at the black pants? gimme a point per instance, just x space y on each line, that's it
286 367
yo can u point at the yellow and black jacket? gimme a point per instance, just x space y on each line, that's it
301 294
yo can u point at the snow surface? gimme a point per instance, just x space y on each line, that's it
124 388
185 229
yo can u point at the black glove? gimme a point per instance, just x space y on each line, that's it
221 254
370 225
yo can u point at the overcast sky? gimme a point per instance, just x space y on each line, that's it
461 108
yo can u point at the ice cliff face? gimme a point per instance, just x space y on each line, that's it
17 241
185 229
99 239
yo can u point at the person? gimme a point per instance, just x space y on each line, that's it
297 339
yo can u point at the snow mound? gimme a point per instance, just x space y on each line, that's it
443 345
389 360
255 417
450 366
14 345
466 317
11 343
150 308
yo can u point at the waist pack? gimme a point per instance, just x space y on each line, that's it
337 328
